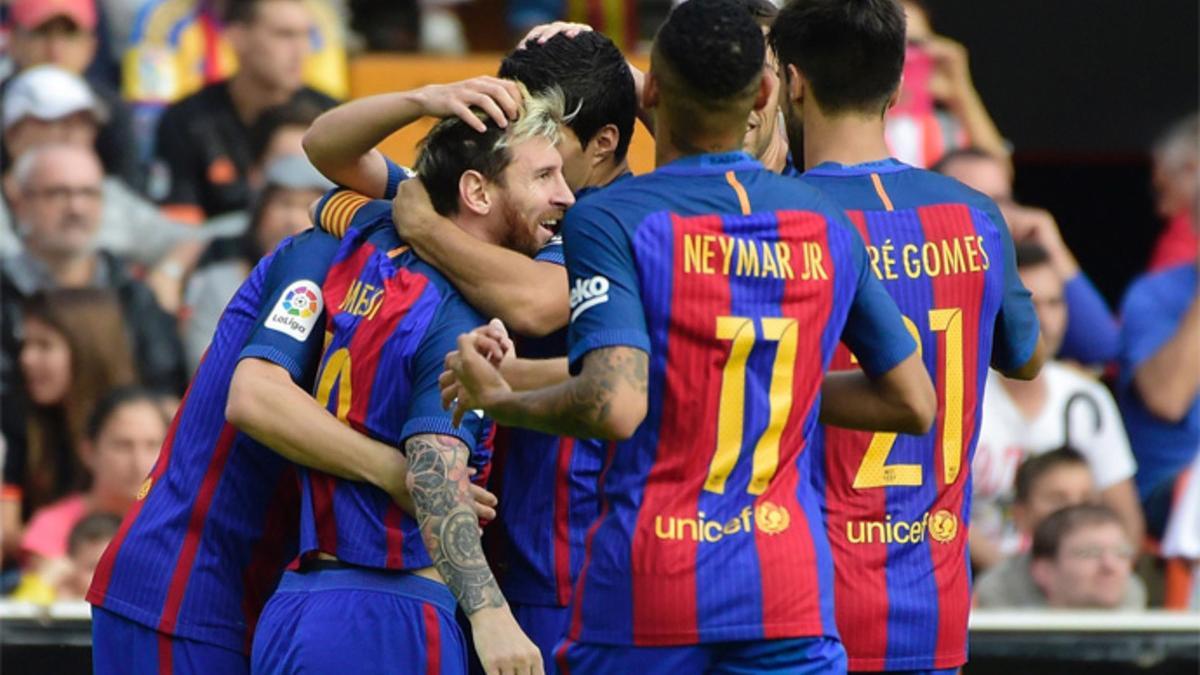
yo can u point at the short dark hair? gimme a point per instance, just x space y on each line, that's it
1030 254
1033 468
593 75
115 400
851 51
452 147
714 46
242 11
1049 534
292 114
763 12
92 528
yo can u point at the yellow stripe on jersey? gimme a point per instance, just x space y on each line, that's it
883 195
743 198
339 211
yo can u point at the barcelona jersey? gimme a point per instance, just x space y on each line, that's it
392 319
214 524
897 505
738 284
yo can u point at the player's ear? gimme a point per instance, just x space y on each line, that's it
604 144
650 91
473 192
766 87
796 84
895 95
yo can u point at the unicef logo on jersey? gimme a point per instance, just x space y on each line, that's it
300 301
587 293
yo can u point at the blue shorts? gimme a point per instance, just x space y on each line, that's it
355 620
122 646
546 626
795 656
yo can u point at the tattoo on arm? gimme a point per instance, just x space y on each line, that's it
437 479
579 406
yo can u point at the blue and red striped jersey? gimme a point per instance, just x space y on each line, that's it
897 505
392 319
215 522
738 283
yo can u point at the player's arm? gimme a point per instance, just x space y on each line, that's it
1165 359
530 296
901 400
1017 348
893 391
341 142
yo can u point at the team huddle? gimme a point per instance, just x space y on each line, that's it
731 428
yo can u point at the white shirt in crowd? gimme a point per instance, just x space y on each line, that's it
1006 438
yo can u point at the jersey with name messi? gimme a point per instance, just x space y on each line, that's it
897 505
738 283
214 524
547 488
392 318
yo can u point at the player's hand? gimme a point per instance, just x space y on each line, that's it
413 214
482 502
470 382
544 32
500 99
494 343
502 646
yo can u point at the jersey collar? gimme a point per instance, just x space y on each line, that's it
593 188
889 165
699 165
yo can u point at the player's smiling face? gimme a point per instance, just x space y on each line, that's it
534 195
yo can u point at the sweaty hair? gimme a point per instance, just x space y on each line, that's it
851 51
713 46
1050 533
116 400
1033 468
452 148
1030 254
595 80
92 528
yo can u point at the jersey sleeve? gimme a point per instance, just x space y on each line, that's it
425 414
396 175
1146 325
341 209
552 251
606 303
288 331
874 328
1015 335
1092 334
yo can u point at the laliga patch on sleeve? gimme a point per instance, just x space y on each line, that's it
297 310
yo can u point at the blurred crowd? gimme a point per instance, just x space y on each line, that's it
152 154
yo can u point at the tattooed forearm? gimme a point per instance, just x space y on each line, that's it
582 406
437 479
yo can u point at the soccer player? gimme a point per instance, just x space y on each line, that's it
897 505
371 594
182 584
547 483
707 298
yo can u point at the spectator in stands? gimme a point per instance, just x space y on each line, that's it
74 351
939 109
124 435
70 578
282 210
1159 383
1062 406
1177 187
1083 559
203 143
46 104
1092 333
63 33
58 200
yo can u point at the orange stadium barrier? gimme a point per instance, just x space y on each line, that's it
380 73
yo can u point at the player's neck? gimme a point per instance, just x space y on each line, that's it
845 139
1028 396
608 173
476 226
670 145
